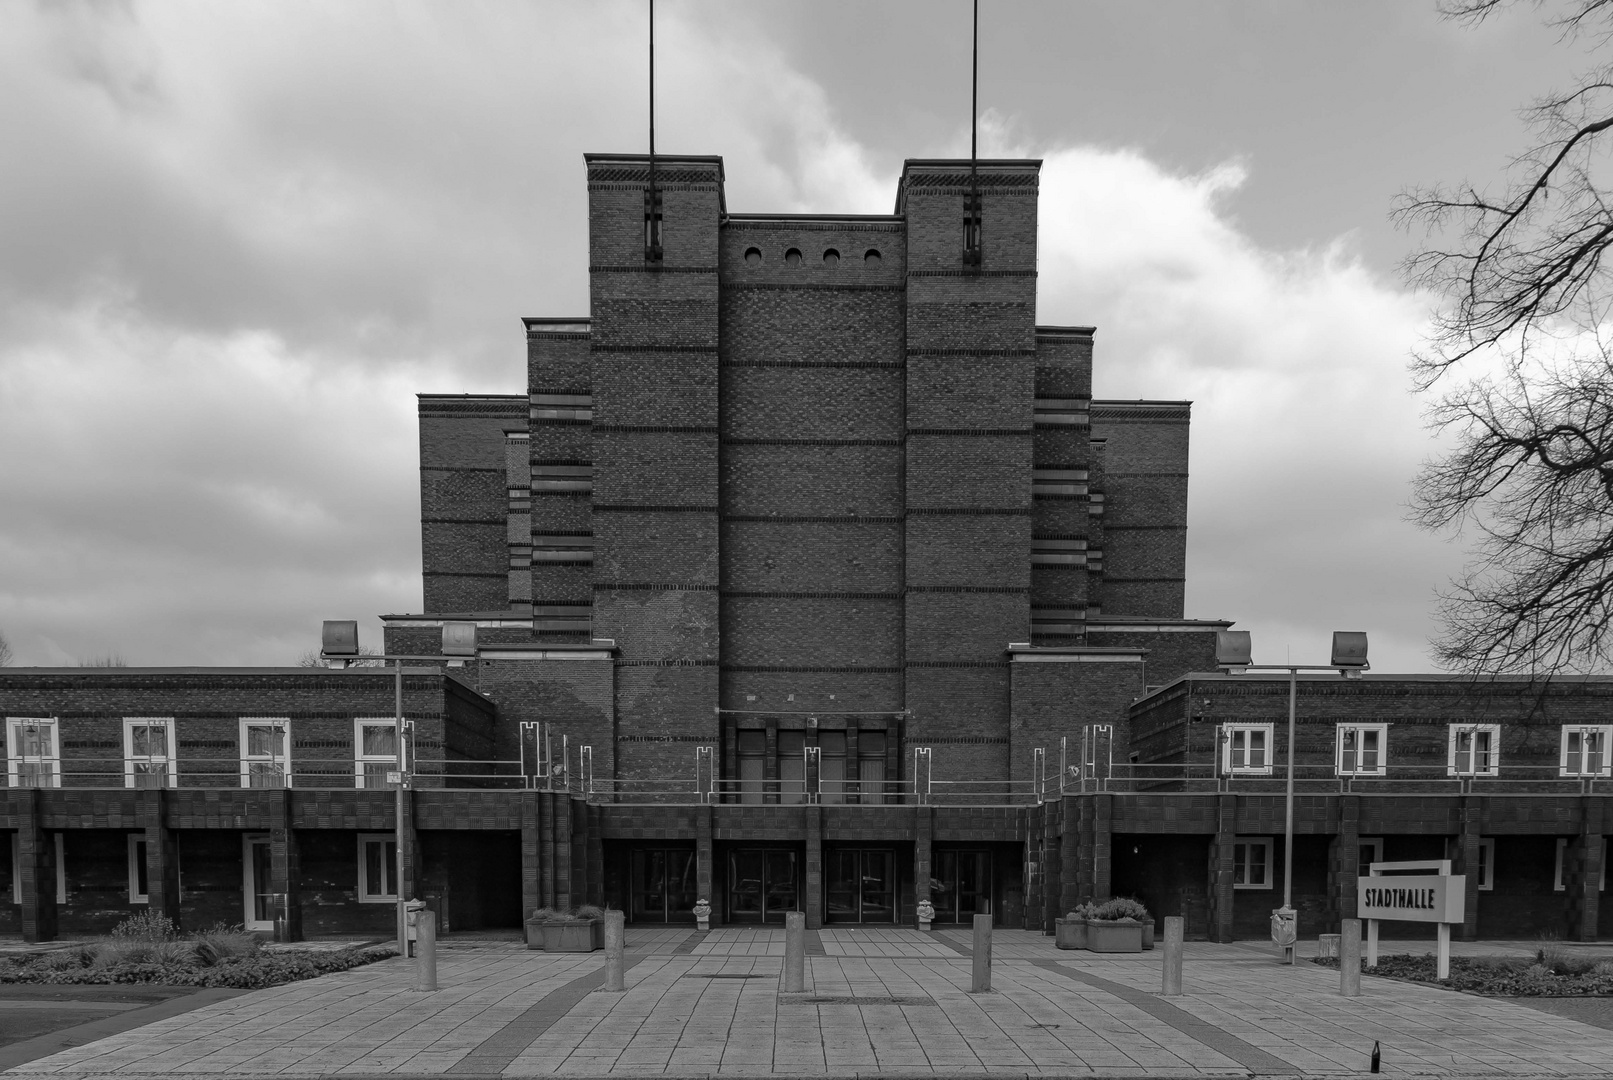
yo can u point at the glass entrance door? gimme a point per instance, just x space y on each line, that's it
663 885
761 885
861 885
961 887
257 883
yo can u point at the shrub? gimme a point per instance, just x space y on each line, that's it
241 972
226 941
146 926
1561 962
115 951
1121 907
566 916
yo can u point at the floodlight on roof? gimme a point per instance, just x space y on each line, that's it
1233 651
1350 652
339 637
459 639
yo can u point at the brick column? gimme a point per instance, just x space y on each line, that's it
579 851
596 855
1467 851
284 866
1590 878
531 855
1052 877
703 859
162 854
1221 892
923 830
1035 863
1102 818
1070 853
813 883
560 844
1348 854
36 866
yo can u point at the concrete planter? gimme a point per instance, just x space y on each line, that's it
565 937
1120 935
1070 933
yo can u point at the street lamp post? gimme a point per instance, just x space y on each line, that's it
339 646
1233 653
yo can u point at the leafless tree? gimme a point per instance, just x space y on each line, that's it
312 659
6 655
1520 355
109 660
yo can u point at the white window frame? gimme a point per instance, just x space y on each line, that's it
137 847
248 761
249 883
1486 867
1492 766
1230 733
166 759
1362 843
1603 731
1247 842
391 868
1380 769
360 759
16 869
14 726
1557 883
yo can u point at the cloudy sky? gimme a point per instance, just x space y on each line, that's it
236 239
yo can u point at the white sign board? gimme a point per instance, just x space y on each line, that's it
1431 898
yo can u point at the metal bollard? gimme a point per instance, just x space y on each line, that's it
615 951
425 950
794 952
982 955
1350 958
1171 981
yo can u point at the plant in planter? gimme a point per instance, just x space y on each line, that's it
702 914
926 914
1070 932
566 930
1117 926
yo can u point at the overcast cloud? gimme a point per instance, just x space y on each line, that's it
239 238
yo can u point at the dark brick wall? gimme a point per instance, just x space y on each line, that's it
1053 701
1145 505
462 500
206 706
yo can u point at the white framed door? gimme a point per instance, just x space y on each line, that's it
257 881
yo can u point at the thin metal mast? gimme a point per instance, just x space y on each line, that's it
652 231
972 255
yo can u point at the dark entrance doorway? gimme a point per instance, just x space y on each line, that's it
761 884
961 885
861 885
664 885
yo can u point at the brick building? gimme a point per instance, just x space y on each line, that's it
807 575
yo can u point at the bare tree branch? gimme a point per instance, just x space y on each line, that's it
6 655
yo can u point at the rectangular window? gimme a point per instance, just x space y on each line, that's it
752 765
871 765
377 868
1247 749
35 758
1369 849
138 890
265 752
971 229
832 766
792 766
1562 855
148 752
1251 862
1473 750
375 752
1362 749
1584 750
1486 867
16 869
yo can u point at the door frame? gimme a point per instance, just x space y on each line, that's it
249 883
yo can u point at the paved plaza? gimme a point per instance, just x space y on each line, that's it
878 1002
